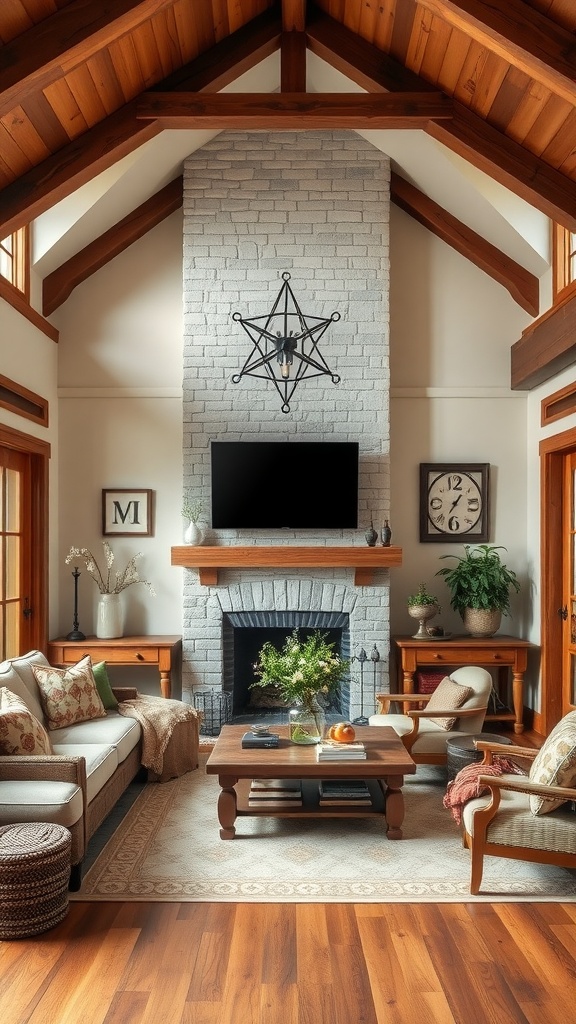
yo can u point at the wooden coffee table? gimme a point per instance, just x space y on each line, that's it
384 769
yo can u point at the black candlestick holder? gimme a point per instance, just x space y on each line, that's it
76 634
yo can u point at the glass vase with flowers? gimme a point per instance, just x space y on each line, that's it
303 672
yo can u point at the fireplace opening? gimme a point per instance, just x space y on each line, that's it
244 634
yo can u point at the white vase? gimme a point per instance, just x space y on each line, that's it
193 534
109 617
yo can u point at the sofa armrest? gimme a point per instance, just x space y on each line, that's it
385 699
48 768
125 692
43 768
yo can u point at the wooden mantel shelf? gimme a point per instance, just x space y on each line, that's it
208 560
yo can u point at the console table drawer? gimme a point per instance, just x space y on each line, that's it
125 656
470 656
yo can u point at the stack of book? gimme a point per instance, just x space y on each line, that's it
344 791
287 792
329 750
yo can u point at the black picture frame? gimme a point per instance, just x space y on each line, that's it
479 532
127 512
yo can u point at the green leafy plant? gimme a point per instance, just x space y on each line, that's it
301 669
423 597
480 579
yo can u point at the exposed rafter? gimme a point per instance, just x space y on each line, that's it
543 50
467 135
522 285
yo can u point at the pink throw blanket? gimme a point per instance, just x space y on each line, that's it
466 786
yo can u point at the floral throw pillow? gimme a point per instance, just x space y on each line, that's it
555 763
69 695
446 696
20 732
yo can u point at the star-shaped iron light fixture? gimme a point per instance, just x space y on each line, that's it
285 339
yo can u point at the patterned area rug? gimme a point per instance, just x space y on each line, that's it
167 848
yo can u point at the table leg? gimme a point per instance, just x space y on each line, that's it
394 805
165 683
518 700
227 806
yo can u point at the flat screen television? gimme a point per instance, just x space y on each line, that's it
292 485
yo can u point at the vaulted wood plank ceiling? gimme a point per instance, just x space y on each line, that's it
84 84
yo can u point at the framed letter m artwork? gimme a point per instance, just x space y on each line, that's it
127 513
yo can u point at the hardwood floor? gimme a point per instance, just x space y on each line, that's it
199 963
225 963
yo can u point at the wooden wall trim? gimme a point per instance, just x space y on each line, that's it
17 300
545 348
552 452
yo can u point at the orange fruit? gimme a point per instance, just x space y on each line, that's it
342 732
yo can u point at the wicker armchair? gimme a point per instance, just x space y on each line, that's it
500 823
423 737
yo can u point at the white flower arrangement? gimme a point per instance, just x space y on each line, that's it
109 583
193 510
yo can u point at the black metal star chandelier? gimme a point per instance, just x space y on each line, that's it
285 339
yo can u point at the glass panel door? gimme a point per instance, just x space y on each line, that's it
568 611
14 553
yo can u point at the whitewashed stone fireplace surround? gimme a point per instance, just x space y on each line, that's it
315 204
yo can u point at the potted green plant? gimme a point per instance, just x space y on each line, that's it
480 584
422 606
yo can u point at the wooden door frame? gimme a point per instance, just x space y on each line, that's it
553 451
39 452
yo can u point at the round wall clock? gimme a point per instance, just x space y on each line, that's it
454 501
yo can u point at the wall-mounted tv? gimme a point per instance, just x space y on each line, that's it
277 485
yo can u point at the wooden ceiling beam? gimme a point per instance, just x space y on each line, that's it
523 286
467 134
59 43
288 111
519 34
58 285
293 62
119 134
293 15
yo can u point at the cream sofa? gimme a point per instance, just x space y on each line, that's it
79 783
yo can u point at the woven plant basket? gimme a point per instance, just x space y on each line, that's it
480 622
34 876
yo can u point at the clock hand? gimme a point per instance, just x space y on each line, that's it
454 503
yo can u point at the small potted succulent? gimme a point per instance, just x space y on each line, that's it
422 606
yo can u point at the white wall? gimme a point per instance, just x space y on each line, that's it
451 331
120 379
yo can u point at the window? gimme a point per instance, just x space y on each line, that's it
14 260
563 262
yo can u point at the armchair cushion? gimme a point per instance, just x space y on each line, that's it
20 731
446 696
69 694
555 763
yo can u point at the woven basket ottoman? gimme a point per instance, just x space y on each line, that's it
34 876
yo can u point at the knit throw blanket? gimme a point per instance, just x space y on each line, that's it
157 716
466 785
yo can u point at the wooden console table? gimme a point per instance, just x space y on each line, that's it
124 650
506 653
